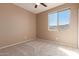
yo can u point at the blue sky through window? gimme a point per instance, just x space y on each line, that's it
63 16
52 19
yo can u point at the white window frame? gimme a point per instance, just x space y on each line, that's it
48 21
58 28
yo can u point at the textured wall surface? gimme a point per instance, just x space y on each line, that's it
66 37
16 24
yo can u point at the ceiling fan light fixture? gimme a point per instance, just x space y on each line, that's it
37 3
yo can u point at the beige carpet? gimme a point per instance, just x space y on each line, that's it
39 48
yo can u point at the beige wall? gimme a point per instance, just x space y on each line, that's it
16 24
78 25
66 37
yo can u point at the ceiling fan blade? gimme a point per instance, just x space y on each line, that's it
35 6
43 4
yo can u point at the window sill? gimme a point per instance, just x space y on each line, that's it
53 30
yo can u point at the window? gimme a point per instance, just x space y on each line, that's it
64 19
52 21
59 20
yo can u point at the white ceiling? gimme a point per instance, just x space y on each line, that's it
40 8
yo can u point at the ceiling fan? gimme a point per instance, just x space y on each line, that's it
43 4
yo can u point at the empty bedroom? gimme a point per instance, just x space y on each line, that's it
39 29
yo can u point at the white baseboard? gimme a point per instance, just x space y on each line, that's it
15 44
60 43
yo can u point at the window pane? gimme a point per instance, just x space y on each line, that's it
64 19
52 21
